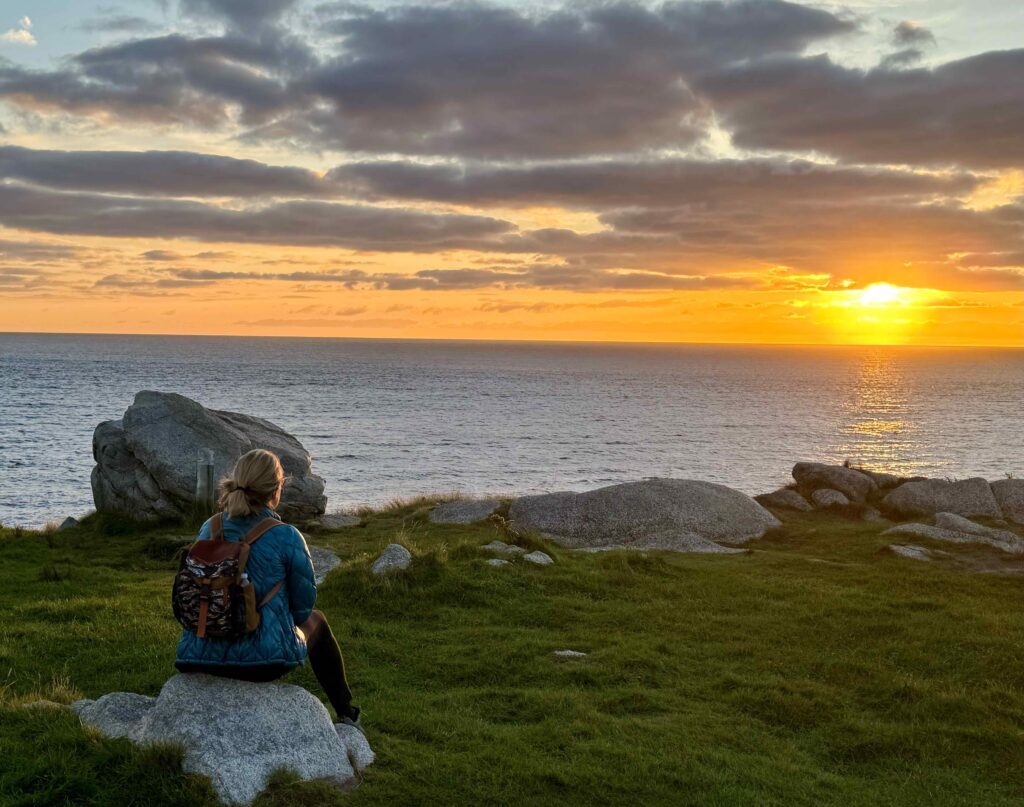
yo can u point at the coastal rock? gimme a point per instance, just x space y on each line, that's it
539 558
912 551
851 483
925 497
235 732
784 498
882 479
395 557
824 498
570 654
496 562
69 523
1007 541
951 521
464 511
146 462
676 514
1009 494
504 549
324 561
337 521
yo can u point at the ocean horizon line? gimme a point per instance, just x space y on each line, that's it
597 342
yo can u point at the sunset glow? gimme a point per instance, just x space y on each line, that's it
299 173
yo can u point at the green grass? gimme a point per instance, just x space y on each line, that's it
816 669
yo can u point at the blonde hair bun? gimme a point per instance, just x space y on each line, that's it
252 485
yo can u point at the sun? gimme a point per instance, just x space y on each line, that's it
880 295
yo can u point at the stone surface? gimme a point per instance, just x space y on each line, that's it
68 524
496 562
951 521
119 714
1010 542
881 478
146 462
851 483
235 732
823 498
570 654
503 548
324 561
464 511
360 754
394 558
540 558
675 514
925 497
336 521
784 498
911 551
1009 495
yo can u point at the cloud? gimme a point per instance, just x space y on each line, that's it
968 112
643 182
538 276
158 173
910 33
306 223
113 21
22 35
468 79
246 15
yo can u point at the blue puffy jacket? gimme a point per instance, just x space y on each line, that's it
280 554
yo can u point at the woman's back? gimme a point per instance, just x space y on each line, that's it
279 555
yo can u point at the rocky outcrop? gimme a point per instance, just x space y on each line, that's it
785 498
235 733
146 462
912 551
824 498
394 558
539 558
955 529
676 514
1009 495
853 484
503 549
925 497
464 511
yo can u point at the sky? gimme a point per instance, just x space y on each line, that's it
751 171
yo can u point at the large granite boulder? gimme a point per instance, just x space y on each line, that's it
926 497
146 462
812 476
676 514
1009 495
235 732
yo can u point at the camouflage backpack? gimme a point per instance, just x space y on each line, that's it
212 595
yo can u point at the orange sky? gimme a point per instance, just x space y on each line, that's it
170 180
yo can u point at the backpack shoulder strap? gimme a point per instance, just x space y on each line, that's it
217 527
258 531
252 537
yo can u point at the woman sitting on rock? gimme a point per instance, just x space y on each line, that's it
281 572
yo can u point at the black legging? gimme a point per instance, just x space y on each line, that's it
324 657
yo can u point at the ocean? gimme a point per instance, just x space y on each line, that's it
386 419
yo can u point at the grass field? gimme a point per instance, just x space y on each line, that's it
815 670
